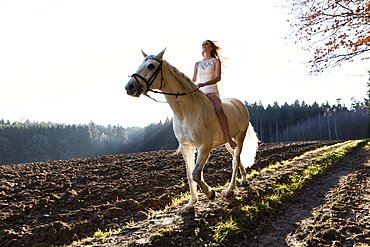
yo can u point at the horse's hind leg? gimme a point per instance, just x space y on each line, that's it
242 170
203 154
237 164
243 173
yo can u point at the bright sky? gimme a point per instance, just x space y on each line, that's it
68 61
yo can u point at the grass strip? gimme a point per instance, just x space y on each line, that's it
267 199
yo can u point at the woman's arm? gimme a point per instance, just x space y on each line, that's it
195 74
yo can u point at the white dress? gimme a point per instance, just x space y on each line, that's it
206 71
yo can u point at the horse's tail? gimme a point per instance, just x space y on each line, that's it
250 146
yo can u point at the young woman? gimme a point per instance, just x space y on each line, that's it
209 71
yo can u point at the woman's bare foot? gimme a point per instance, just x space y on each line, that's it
178 150
232 144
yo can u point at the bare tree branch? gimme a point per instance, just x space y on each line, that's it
335 30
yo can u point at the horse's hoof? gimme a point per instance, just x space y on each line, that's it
229 194
244 183
188 211
213 196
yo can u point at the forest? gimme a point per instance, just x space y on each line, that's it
302 122
23 142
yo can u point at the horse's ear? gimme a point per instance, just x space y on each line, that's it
160 55
144 53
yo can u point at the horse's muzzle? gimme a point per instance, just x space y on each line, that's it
133 89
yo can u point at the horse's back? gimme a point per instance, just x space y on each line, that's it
235 110
234 102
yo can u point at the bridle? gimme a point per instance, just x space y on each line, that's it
151 80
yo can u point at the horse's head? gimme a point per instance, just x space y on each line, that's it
146 77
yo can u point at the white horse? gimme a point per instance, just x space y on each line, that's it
195 123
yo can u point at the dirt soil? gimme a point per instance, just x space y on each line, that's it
53 203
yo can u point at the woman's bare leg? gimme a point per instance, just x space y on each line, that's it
222 118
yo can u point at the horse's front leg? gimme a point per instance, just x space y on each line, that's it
188 154
203 154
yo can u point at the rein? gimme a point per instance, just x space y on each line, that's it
151 80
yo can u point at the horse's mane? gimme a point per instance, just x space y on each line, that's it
186 81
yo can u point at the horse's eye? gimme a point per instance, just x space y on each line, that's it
151 66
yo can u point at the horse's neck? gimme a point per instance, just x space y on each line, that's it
192 102
176 80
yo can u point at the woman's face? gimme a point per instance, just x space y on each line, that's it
206 46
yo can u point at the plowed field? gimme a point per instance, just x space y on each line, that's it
56 202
